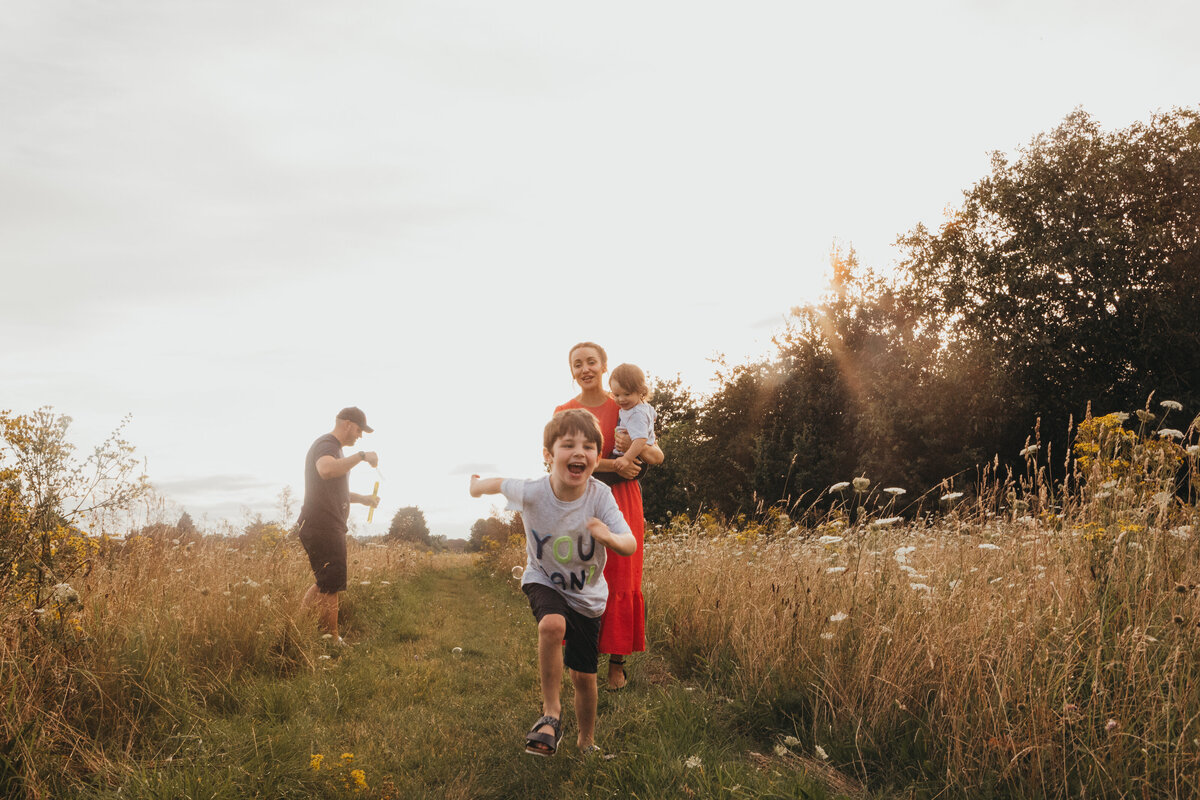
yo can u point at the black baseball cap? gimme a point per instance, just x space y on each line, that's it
355 415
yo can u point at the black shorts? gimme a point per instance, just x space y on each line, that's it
582 652
327 557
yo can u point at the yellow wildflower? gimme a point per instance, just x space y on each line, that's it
314 761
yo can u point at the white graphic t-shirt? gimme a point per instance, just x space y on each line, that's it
559 551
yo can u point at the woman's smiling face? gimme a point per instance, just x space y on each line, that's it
587 368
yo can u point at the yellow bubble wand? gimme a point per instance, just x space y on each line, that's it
374 493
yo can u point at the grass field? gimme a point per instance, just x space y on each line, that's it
1037 639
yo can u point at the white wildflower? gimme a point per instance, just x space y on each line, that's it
780 750
1163 498
827 636
820 751
322 658
1172 432
62 594
693 762
895 490
883 523
1182 532
840 486
1193 449
1171 405
1109 485
1030 450
266 600
791 741
840 616
1120 415
834 570
953 584
989 546
326 635
950 497
830 539
920 587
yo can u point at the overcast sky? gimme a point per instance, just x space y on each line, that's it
231 219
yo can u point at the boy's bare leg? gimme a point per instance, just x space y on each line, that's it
551 630
326 606
586 697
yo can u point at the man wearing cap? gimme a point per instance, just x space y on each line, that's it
327 499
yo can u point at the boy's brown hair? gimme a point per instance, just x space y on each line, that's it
573 420
632 379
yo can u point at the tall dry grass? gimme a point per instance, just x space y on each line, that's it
154 632
1042 642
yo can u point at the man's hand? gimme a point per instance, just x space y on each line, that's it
371 458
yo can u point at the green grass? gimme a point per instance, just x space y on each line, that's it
425 721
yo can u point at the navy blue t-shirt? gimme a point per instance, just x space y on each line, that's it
326 501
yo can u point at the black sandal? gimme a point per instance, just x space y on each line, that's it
543 744
617 661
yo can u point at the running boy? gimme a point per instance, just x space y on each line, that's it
571 521
636 417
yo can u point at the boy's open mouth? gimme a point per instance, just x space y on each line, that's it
576 468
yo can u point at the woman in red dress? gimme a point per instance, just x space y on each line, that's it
623 627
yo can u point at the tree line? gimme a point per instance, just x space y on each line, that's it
1066 279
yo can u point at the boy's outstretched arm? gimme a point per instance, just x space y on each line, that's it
481 486
623 543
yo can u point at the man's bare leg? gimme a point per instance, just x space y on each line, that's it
326 606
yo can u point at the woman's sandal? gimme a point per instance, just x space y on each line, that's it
543 744
615 661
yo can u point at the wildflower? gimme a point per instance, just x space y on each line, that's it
347 757
989 546
314 761
1171 405
950 497
861 484
840 616
895 490
1193 449
791 741
1111 725
266 600
359 779
693 762
1182 532
1162 498
62 594
840 486
954 583
780 750
883 523
326 635
322 658
820 751
1174 433
1145 416
829 539
1030 450
834 570
827 636
919 587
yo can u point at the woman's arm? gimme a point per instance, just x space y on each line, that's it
652 454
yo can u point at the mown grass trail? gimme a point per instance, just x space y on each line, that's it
425 720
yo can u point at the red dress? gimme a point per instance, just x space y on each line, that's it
623 626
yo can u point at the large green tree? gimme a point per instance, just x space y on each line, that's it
1074 270
408 525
